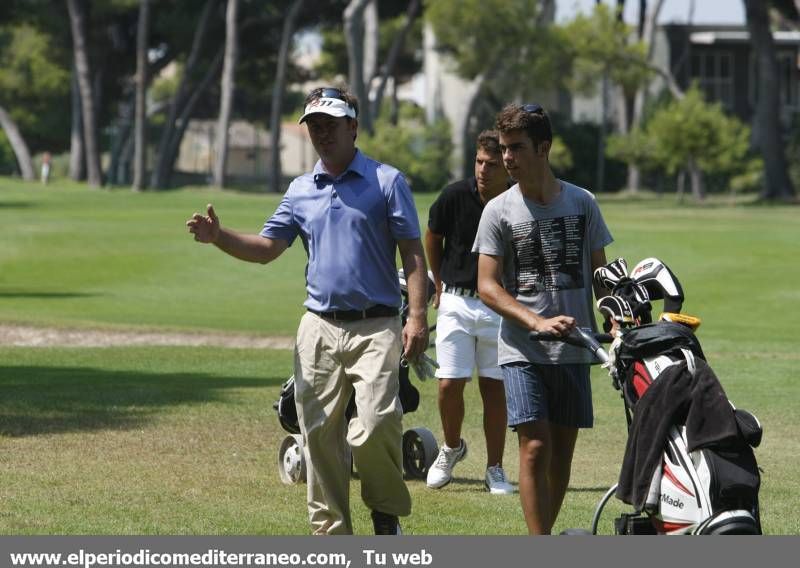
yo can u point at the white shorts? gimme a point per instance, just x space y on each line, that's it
466 338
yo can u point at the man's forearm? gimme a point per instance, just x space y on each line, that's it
499 300
250 248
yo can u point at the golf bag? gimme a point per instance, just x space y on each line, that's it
689 466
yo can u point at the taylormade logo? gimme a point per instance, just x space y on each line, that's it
677 503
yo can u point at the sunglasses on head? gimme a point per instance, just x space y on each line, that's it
532 108
328 93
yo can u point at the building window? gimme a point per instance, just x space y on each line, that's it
713 72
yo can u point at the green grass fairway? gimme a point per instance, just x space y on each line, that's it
78 257
183 440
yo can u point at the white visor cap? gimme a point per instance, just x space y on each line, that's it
330 106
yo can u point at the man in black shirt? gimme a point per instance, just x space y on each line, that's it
466 330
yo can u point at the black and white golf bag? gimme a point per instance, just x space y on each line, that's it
689 466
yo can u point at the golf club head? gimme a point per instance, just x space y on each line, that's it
660 283
609 275
616 309
619 267
637 298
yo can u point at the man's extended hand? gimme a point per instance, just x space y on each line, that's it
559 326
415 337
204 228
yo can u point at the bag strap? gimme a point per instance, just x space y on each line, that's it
690 364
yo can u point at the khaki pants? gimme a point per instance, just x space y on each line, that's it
332 359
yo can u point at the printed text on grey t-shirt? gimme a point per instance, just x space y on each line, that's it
548 254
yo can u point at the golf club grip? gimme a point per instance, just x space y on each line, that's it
542 336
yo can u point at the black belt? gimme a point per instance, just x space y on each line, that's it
379 311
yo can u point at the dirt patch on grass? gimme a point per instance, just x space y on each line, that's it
31 336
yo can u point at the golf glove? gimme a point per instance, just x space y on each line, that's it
424 367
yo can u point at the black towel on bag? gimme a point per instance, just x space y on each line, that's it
676 397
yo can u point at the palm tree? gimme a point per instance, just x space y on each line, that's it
227 87
18 144
140 114
766 123
77 20
278 89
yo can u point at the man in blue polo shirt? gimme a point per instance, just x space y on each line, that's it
351 214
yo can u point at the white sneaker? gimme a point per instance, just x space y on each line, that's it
441 472
496 482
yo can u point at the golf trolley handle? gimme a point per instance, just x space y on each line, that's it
578 338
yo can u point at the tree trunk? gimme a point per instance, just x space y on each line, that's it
600 180
164 159
696 178
122 132
395 114
387 70
621 98
77 163
18 144
461 127
600 173
648 25
182 122
354 36
278 90
126 159
227 87
681 190
77 21
371 43
766 122
140 112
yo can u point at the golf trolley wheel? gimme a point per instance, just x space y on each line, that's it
419 452
291 462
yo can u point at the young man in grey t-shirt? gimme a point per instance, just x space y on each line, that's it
539 243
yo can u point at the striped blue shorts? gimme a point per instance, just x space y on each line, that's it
561 394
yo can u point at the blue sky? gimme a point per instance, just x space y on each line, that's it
705 11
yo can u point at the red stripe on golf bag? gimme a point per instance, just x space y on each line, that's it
671 476
663 527
640 379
